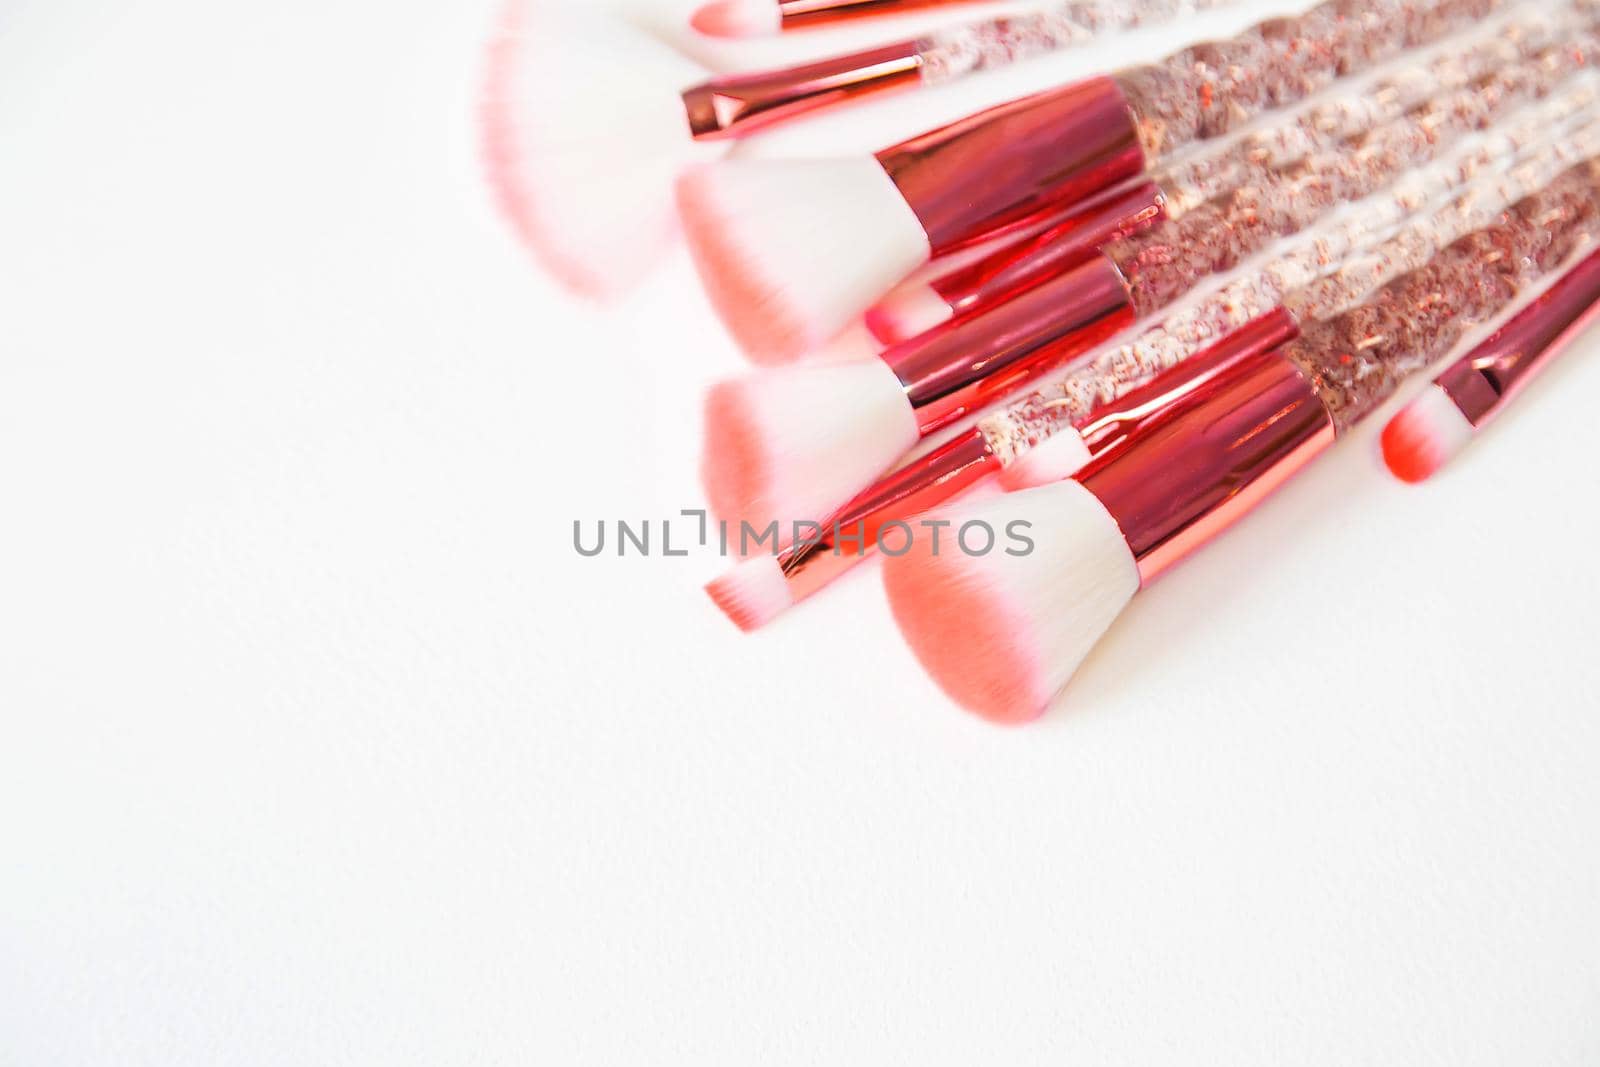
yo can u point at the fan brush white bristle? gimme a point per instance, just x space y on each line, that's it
1003 634
1054 459
584 134
794 443
753 593
1428 433
738 18
792 250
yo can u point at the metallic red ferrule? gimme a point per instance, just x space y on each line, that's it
1065 239
962 366
1014 160
737 105
1113 425
1483 380
851 533
1210 459
807 14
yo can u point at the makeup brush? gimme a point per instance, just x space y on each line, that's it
1003 634
798 442
1059 241
736 105
1052 433
583 136
1433 429
792 251
762 18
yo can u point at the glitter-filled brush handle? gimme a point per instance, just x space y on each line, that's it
1164 263
1112 374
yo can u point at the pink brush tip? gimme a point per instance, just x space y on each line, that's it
1427 434
734 465
963 635
907 312
753 593
737 18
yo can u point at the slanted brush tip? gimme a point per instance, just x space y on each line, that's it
753 593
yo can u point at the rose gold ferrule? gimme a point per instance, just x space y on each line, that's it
1209 459
961 366
1014 160
737 105
1482 381
808 14
1125 419
851 532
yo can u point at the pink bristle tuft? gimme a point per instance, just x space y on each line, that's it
1427 434
910 309
738 18
753 593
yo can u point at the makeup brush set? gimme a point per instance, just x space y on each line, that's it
1132 305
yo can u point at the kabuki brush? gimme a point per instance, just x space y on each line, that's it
760 18
800 441
736 105
1053 432
792 251
1062 239
1433 429
1002 634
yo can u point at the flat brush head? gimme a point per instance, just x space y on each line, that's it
910 309
753 593
583 135
793 444
1003 634
792 250
1054 459
1428 433
738 18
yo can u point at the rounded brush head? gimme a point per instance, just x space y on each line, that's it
753 593
738 18
583 136
909 309
1054 459
1428 433
1003 634
792 250
793 444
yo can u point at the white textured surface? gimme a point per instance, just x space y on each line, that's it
322 746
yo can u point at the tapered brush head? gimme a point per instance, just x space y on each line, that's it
1427 434
738 18
753 593
1002 634
1056 458
794 443
583 135
908 310
791 251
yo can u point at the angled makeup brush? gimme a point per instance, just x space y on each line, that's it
791 252
1003 634
921 303
1433 429
762 18
1052 433
800 441
583 135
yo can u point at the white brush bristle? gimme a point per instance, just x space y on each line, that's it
910 309
584 134
1428 433
753 593
792 250
1054 459
738 18
794 443
1003 634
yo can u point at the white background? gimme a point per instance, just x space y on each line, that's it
321 745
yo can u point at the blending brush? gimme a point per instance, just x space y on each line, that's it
736 105
1058 240
1053 432
1433 429
1003 634
792 251
798 441
762 18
